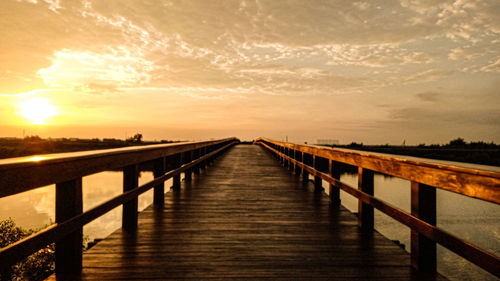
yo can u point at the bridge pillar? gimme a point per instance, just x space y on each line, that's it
298 157
130 181
318 187
365 211
69 249
186 158
423 206
196 154
173 163
334 170
305 173
159 168
291 165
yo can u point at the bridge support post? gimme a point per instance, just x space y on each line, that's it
365 211
423 206
318 187
298 157
334 191
291 165
69 249
203 153
305 173
196 154
159 190
175 162
130 181
186 158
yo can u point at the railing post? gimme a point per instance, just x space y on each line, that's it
159 190
174 162
423 206
334 191
196 155
68 205
365 211
186 158
203 153
305 173
298 157
318 187
290 163
130 181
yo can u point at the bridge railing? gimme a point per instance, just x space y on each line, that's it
326 164
66 171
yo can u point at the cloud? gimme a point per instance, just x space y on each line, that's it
84 70
494 66
429 96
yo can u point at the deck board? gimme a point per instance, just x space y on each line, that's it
246 217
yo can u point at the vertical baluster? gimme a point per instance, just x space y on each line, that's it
318 187
204 162
290 163
423 206
159 168
334 170
69 249
175 162
130 181
305 173
365 211
186 158
298 157
196 155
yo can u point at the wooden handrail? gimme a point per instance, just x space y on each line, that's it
22 174
424 232
72 225
475 183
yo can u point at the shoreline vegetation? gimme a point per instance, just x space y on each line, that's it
31 145
457 150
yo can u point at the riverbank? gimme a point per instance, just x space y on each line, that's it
456 150
17 147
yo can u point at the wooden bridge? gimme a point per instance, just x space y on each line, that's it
244 216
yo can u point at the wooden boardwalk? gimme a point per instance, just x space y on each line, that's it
246 217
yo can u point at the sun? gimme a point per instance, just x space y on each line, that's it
37 110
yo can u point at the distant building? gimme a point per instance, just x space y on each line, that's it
327 141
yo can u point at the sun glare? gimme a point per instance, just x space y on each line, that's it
37 110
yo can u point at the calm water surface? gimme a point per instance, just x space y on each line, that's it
470 219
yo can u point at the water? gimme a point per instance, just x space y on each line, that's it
470 219
36 208
473 220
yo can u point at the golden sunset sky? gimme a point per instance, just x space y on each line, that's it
365 71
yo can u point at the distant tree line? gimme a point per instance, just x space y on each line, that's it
30 145
456 150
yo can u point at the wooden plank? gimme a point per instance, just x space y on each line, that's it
246 218
475 183
484 259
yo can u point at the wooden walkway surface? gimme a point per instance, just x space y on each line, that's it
246 217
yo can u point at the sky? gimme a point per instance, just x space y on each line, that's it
376 72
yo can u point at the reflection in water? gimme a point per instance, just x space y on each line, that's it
470 219
36 208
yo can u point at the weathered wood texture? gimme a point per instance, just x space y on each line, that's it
423 225
246 217
480 184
